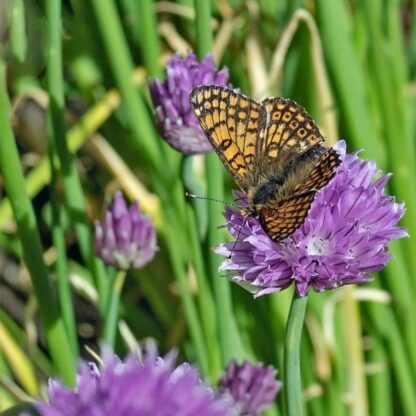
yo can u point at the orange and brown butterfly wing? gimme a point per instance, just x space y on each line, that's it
283 220
286 217
231 122
322 173
289 131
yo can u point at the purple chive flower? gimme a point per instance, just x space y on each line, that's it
125 238
153 386
175 119
253 387
344 237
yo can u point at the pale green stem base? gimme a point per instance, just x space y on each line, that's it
292 375
111 317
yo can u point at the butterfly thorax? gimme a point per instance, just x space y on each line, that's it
280 184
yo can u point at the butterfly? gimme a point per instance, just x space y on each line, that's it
273 150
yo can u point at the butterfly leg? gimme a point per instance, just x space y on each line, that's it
247 212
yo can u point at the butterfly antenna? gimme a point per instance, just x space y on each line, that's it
207 198
190 195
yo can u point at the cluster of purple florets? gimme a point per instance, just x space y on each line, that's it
156 386
344 237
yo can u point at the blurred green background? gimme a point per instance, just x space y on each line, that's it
351 64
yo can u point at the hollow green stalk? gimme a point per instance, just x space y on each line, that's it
30 240
111 316
149 39
355 355
343 62
379 382
392 100
74 197
18 39
292 373
231 346
64 291
197 224
191 314
315 406
203 27
56 133
205 299
387 327
122 66
402 295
